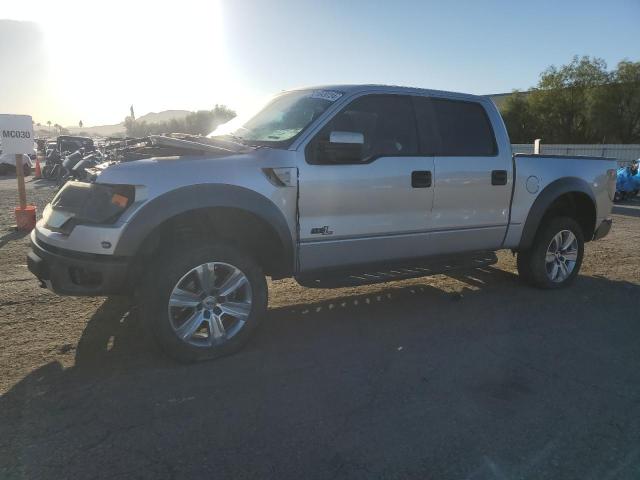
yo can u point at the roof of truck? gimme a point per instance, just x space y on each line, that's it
357 88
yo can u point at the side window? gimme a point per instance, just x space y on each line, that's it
369 127
464 129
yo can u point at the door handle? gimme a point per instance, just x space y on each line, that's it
498 177
420 179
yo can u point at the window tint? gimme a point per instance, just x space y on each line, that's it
429 141
464 129
387 125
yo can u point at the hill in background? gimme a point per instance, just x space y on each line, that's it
164 116
118 128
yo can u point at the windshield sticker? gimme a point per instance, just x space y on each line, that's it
330 95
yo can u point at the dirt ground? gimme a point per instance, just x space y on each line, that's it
472 375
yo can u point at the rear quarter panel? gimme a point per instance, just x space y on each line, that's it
541 170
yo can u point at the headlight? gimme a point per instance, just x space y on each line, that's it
87 203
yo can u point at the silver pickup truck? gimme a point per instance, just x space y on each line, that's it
333 186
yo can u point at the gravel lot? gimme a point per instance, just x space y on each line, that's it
470 376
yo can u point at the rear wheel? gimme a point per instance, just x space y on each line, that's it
204 302
554 259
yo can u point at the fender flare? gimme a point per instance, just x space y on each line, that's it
193 197
544 200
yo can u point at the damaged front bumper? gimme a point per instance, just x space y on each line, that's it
79 274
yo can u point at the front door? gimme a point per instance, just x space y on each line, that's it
369 203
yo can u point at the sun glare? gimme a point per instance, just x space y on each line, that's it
153 55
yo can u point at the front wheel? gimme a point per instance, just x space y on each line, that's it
204 302
554 259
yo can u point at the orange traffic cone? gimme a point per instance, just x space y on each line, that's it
38 171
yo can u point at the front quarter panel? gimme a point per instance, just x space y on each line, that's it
202 181
185 184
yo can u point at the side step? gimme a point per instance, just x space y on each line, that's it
400 271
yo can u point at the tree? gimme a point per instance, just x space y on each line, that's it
80 123
201 122
520 120
615 109
580 102
204 122
135 128
60 130
562 100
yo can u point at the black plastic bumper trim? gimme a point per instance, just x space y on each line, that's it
55 270
603 230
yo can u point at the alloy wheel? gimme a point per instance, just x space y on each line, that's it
562 255
210 304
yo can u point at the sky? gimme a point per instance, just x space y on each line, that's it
90 60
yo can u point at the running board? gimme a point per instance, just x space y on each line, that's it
400 271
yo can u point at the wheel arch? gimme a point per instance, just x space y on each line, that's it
567 196
251 220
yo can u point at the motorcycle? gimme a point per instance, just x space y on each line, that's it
76 165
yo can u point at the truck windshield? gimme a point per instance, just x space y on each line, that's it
282 119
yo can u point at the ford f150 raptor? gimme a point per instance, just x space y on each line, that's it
336 185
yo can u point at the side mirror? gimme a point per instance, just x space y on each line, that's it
351 138
342 147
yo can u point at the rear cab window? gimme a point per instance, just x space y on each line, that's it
452 128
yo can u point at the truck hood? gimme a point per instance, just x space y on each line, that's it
160 158
210 145
162 174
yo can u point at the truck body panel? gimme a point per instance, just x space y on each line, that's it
534 173
389 207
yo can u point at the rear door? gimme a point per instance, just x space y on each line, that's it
472 178
371 208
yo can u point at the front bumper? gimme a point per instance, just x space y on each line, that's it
603 229
72 273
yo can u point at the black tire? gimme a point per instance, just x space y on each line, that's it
532 266
46 171
169 271
618 197
62 175
523 261
26 169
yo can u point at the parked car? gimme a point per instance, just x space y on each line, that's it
333 186
8 164
72 143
